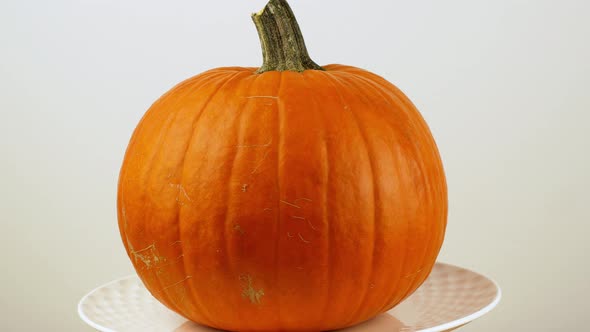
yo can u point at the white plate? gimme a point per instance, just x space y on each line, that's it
450 297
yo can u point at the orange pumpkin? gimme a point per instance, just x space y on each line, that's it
291 197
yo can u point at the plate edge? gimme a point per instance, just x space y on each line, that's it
470 318
85 318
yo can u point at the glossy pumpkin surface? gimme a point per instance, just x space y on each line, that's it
302 201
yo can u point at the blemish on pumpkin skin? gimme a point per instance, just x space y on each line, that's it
307 220
290 204
311 225
244 187
238 229
248 290
303 199
251 146
302 239
183 297
413 274
295 204
175 260
177 283
124 216
261 162
182 191
148 256
265 97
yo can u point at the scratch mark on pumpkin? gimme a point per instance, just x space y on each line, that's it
185 194
302 199
152 246
413 274
175 243
183 297
267 209
311 225
178 283
265 97
260 162
255 145
290 235
245 187
182 191
291 204
248 290
302 239
307 220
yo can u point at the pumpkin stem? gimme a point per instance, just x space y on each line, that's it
283 47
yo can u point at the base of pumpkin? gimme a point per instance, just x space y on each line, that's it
382 323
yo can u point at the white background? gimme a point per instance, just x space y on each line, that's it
504 85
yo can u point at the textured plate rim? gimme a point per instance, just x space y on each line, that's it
469 318
85 318
439 328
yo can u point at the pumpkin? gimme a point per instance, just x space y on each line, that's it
290 197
